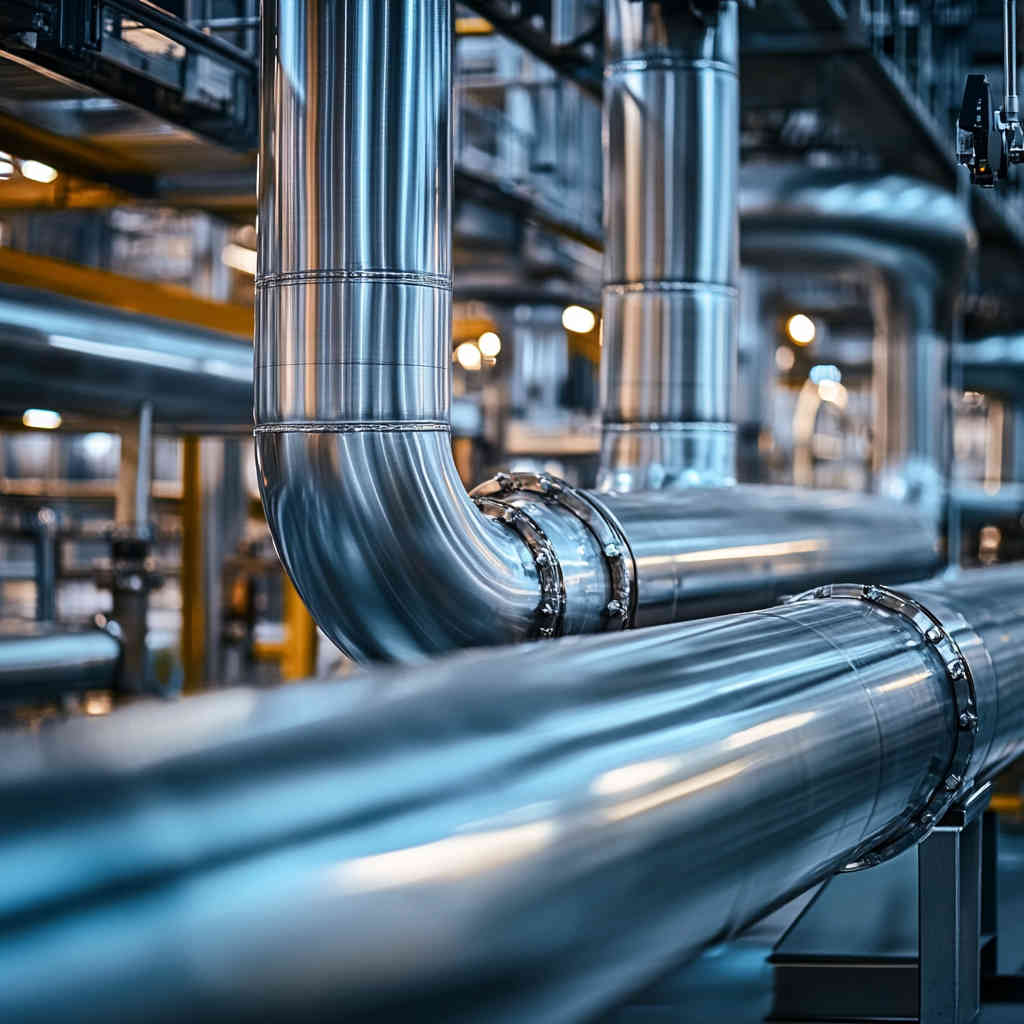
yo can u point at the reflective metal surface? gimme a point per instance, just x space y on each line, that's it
671 121
914 239
353 360
600 810
647 457
353 347
40 662
387 550
78 357
706 551
354 281
990 606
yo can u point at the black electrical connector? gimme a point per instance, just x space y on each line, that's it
979 142
989 139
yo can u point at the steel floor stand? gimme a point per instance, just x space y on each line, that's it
912 940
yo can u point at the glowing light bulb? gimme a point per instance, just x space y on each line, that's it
41 419
468 356
489 344
801 329
578 319
34 170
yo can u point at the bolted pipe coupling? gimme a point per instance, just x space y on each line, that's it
966 664
584 564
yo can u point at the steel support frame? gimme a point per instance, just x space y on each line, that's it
79 39
949 881
956 966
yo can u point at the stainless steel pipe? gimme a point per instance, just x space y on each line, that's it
1011 103
671 123
79 357
352 371
40 662
714 550
535 848
353 344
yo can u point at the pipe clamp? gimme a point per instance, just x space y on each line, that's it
930 805
551 607
615 549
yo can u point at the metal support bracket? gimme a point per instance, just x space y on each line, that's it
949 914
929 956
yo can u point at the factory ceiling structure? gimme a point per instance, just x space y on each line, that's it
610 412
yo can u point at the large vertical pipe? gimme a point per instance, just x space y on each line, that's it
671 124
353 347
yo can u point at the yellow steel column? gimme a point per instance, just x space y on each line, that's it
298 661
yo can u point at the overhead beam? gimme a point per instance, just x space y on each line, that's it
171 302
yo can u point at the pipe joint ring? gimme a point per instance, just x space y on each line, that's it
932 804
620 608
550 612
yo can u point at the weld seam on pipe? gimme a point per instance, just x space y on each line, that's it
361 427
342 275
268 363
668 285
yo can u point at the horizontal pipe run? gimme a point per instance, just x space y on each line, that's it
43 662
77 357
592 812
712 550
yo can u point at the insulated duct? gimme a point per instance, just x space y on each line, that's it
417 844
352 383
671 123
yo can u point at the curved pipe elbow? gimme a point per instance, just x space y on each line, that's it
383 544
396 562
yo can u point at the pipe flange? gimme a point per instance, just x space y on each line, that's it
931 804
617 554
551 607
